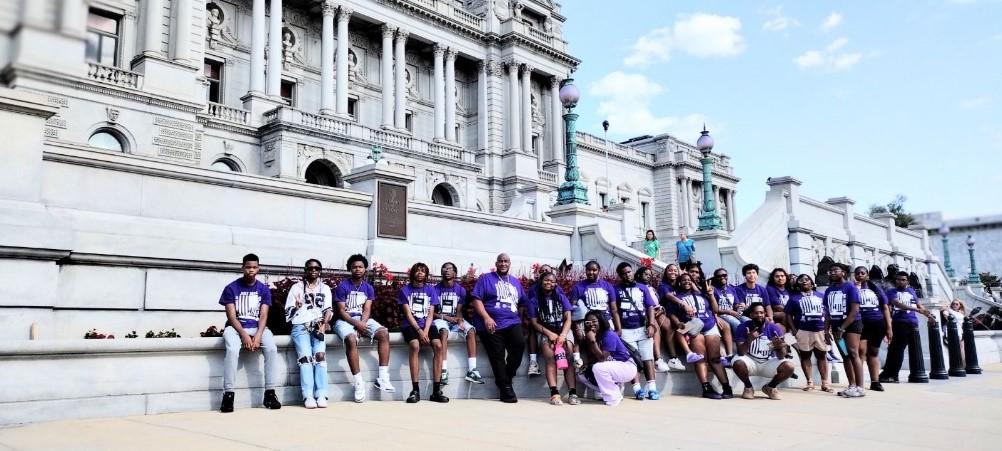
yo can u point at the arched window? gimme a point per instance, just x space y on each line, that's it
107 139
323 172
441 196
225 165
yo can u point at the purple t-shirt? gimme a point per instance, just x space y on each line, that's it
553 316
247 299
500 296
749 296
726 297
697 301
807 311
870 302
838 298
632 304
451 298
421 300
777 296
611 343
354 296
593 296
664 289
907 297
759 350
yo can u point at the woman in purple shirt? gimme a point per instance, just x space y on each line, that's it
805 319
778 295
842 302
613 364
550 315
876 323
495 301
666 328
704 340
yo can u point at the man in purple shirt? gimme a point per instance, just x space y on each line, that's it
751 292
495 300
763 353
354 297
247 301
904 322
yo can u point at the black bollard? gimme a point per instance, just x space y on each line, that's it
937 367
970 348
916 362
953 347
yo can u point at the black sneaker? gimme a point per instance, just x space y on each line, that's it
438 397
888 380
711 394
271 401
876 386
508 395
728 393
414 397
227 405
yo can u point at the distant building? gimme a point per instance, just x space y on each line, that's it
987 233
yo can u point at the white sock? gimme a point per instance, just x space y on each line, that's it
532 357
384 372
445 364
358 379
472 362
577 355
652 385
636 386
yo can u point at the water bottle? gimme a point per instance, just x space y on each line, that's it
561 358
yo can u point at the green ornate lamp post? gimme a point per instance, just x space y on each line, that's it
572 191
708 218
973 277
944 230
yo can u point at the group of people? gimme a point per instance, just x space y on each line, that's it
599 334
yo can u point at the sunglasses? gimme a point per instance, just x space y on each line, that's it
313 268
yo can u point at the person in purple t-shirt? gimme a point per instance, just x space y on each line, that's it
612 365
805 319
701 326
636 316
778 295
354 297
550 314
876 322
751 292
904 322
247 301
449 318
842 302
495 300
763 353
418 299
592 293
665 332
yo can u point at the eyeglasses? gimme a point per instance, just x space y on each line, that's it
720 276
313 268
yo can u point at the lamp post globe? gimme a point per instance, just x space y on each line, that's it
571 191
708 218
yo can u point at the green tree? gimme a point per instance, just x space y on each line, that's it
989 279
902 218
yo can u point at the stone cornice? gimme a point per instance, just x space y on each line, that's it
518 40
213 123
438 211
413 9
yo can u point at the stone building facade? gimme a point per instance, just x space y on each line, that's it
987 234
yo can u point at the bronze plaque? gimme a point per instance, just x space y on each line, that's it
391 213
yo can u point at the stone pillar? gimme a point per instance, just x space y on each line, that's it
731 216
482 121
328 10
343 43
556 122
687 202
22 169
514 123
152 26
182 40
527 109
381 180
257 48
439 87
386 69
275 49
71 21
800 242
400 118
450 95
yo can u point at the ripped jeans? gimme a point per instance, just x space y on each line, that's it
312 356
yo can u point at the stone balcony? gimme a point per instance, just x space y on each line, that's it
114 76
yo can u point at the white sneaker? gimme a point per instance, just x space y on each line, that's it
384 384
578 363
856 392
322 403
676 364
661 366
310 403
360 392
534 368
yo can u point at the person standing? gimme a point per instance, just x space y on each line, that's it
636 317
354 297
876 323
842 303
247 301
904 323
418 301
449 318
310 312
495 300
763 353
652 247
805 319
685 249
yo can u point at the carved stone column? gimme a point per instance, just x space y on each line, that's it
527 109
400 118
328 9
343 43
275 49
257 48
182 40
386 69
556 122
439 86
514 106
152 26
450 95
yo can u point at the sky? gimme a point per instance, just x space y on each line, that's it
864 99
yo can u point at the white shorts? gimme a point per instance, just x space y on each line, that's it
440 324
542 340
713 332
345 329
769 368
638 339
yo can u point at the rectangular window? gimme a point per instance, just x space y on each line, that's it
409 121
601 198
214 74
288 92
103 37
643 215
535 145
353 108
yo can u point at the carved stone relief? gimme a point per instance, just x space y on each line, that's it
219 24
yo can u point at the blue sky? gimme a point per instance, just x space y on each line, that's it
865 99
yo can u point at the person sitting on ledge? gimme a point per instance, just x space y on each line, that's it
763 353
247 301
354 298
309 312
449 318
418 300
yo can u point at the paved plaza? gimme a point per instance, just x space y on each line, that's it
940 415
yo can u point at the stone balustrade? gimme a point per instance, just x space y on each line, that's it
228 113
547 176
113 76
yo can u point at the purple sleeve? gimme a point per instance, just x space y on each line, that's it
793 306
522 296
773 331
370 293
433 294
575 292
402 295
741 333
852 296
265 294
881 296
773 295
532 308
563 301
340 293
648 300
480 289
613 292
610 341
460 294
227 296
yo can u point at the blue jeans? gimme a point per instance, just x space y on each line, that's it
312 355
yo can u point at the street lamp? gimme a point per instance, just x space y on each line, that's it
610 198
708 219
572 191
973 276
944 230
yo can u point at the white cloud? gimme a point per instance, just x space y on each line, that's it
975 102
625 100
831 58
778 21
831 22
700 35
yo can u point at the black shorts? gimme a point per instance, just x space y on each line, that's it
855 328
412 334
874 331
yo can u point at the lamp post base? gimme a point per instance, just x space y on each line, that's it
572 193
709 221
